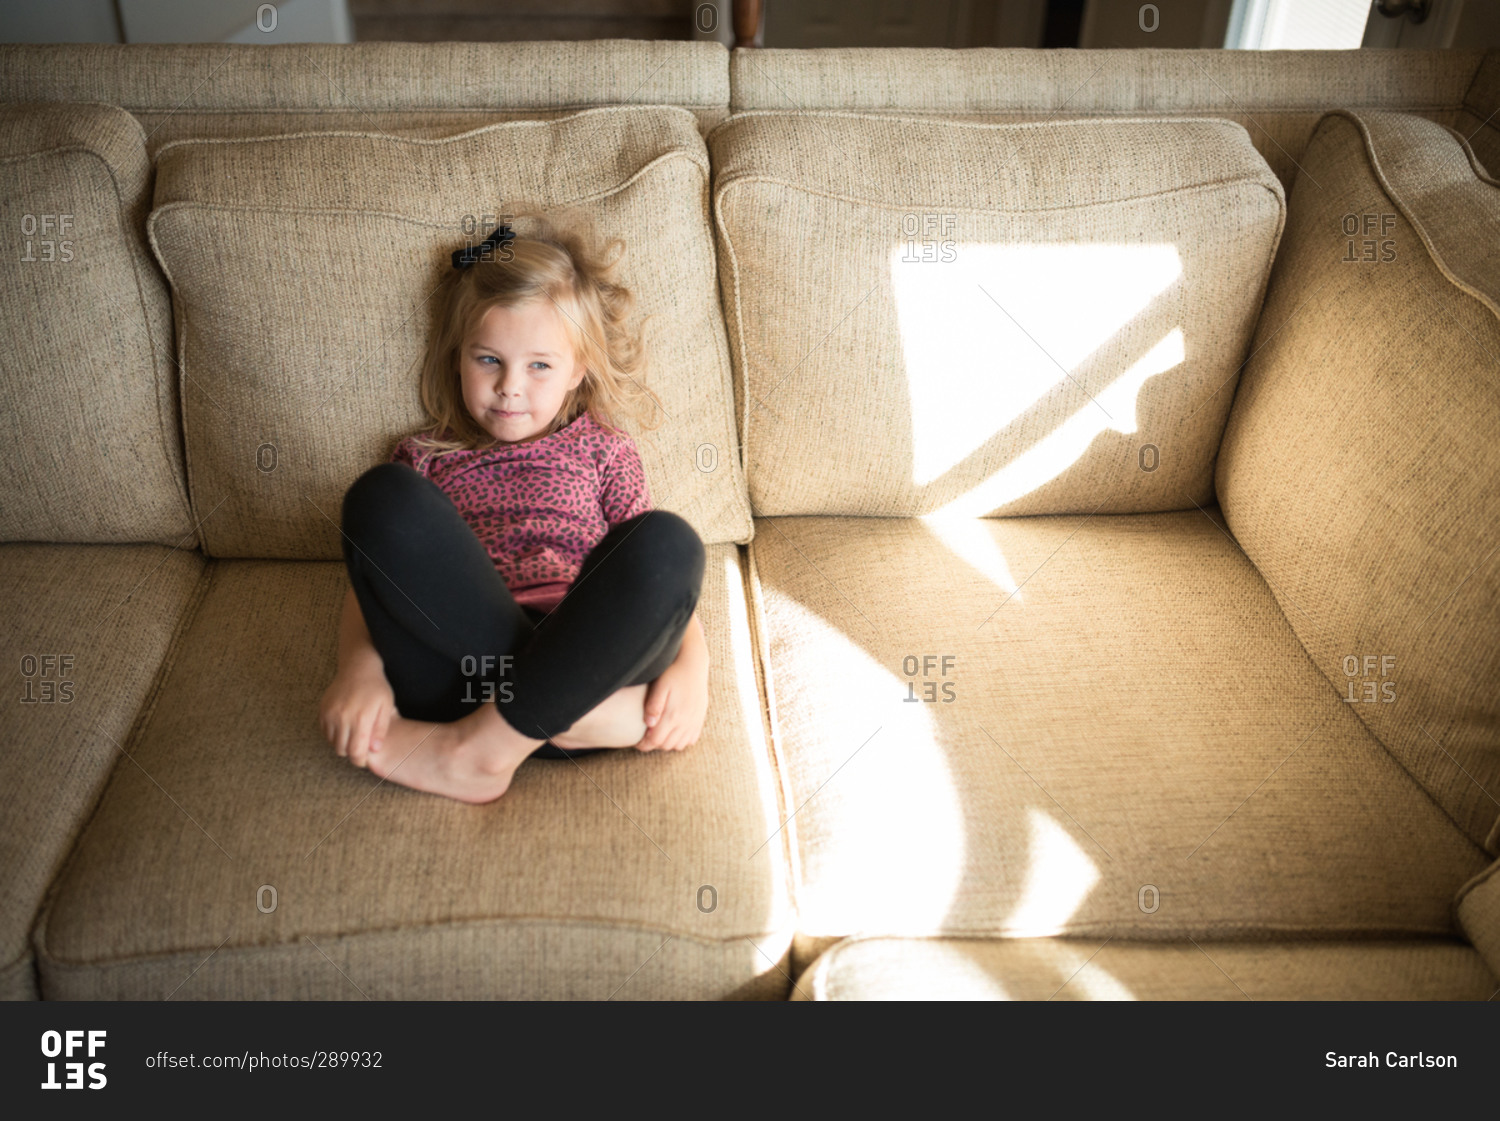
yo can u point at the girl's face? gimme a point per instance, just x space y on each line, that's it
515 370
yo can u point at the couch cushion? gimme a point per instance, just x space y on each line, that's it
619 873
87 629
1064 969
875 79
182 90
1075 725
1477 120
89 431
1360 469
1479 913
302 267
1014 319
1277 96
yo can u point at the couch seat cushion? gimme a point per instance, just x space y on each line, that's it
304 270
1072 725
87 629
254 863
1068 969
999 319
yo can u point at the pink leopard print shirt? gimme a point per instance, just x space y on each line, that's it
539 507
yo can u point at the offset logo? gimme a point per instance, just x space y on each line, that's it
1369 238
66 1045
929 666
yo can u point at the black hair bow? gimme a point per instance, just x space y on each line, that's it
463 258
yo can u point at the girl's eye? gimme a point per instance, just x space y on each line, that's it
492 360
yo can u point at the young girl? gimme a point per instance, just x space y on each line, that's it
513 591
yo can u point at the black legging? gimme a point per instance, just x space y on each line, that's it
443 620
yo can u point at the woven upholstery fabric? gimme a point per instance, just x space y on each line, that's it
1125 740
197 89
1476 121
87 629
91 447
989 79
1278 96
583 873
423 124
1360 470
1479 913
989 328
303 268
1065 969
18 979
1278 136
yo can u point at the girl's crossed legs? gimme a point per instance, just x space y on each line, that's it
452 637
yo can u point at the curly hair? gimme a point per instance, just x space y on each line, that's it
561 261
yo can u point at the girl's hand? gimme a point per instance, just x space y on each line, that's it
356 710
676 704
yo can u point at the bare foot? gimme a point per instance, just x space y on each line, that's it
470 760
617 721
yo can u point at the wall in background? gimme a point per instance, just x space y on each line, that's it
428 21
905 23
1165 23
786 23
176 21
61 21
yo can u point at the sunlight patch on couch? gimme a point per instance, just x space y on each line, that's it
1060 875
970 539
891 824
1060 449
987 334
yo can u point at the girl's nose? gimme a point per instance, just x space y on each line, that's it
510 381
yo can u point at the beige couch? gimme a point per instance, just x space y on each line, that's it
1094 450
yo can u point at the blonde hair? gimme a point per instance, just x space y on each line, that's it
562 263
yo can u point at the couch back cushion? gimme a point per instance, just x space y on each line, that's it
1360 469
302 270
987 319
1477 118
91 451
1277 95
